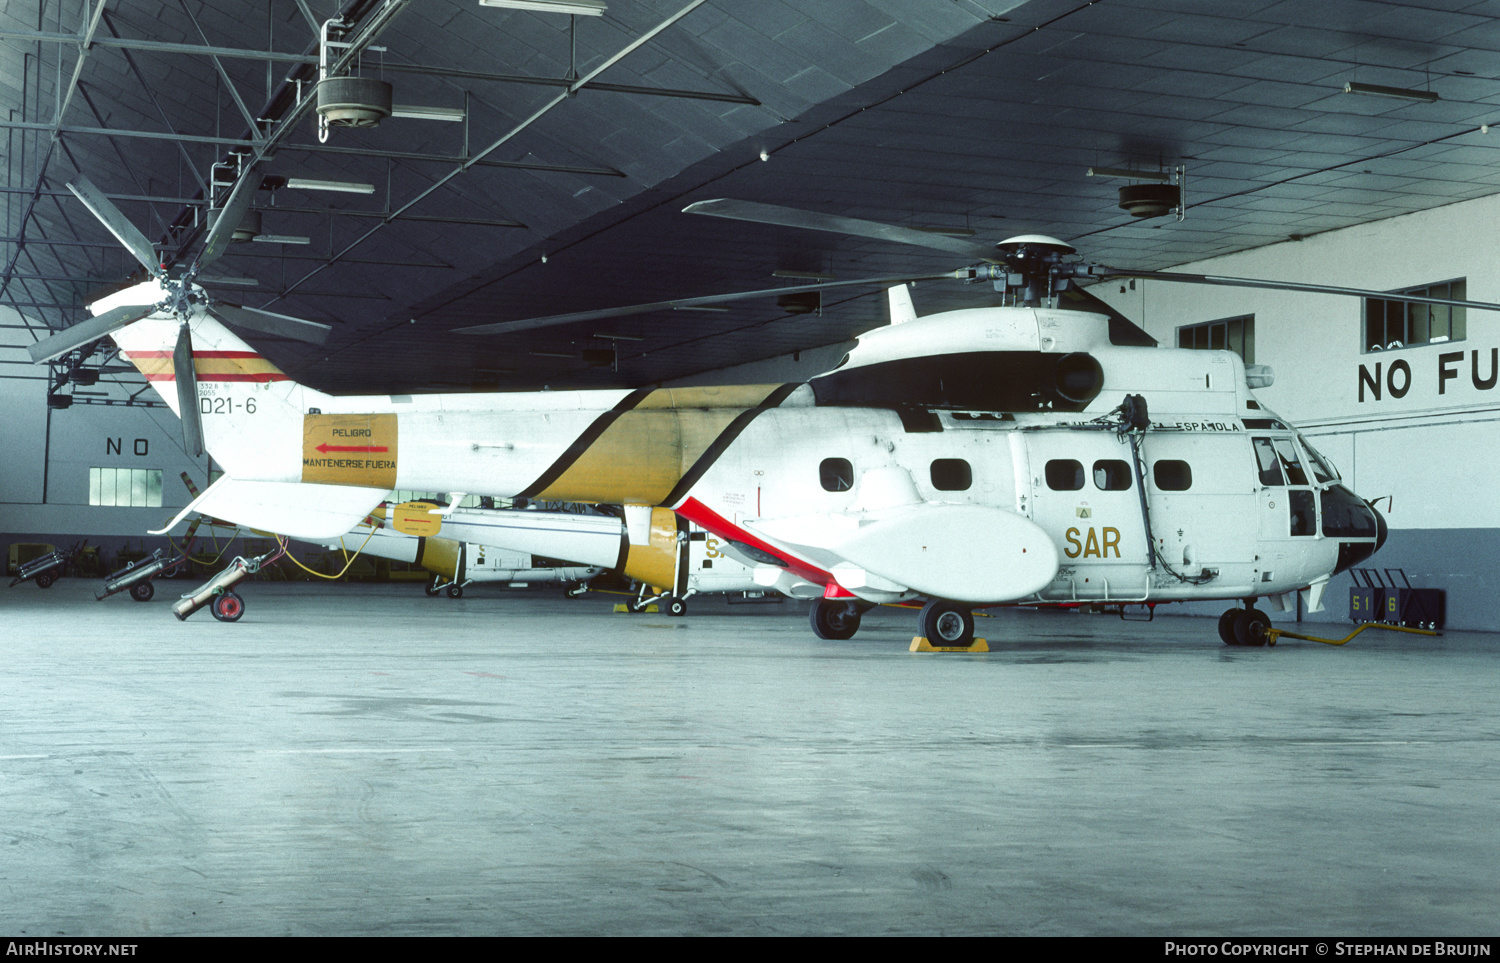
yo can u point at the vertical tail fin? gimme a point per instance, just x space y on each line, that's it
248 407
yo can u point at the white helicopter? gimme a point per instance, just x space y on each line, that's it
988 456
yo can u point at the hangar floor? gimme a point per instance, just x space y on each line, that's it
366 760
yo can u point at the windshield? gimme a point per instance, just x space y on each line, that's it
1323 470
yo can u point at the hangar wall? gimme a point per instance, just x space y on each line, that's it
1418 423
45 457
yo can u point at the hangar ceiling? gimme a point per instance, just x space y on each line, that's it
584 138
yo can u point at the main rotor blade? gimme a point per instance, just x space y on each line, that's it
84 332
528 324
124 231
792 217
1289 286
222 232
269 322
187 392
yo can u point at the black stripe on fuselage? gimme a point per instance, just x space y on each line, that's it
726 438
582 442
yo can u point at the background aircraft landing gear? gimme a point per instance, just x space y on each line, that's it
947 624
434 586
455 590
46 579
834 619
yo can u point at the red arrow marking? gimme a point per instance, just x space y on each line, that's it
326 448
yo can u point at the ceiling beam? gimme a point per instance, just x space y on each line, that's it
429 70
312 148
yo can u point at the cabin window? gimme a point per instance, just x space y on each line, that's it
1289 463
1172 476
836 475
1268 462
1111 475
1232 334
1064 475
1393 323
1304 512
951 475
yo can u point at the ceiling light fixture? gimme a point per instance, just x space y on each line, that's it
1400 93
803 275
1160 176
414 112
582 8
312 184
281 239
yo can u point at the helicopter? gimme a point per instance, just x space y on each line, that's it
1045 452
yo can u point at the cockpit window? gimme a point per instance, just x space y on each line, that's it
1269 463
1322 468
1289 462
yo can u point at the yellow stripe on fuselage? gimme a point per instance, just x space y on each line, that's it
643 454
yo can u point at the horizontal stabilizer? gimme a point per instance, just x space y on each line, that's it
312 512
966 553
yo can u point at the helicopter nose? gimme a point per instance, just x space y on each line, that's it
1382 530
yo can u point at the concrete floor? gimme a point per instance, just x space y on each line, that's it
365 760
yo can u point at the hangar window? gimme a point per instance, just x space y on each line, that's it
836 475
1171 475
1231 334
1393 323
951 475
1111 475
125 487
1064 475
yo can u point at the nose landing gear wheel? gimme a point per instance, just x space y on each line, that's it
142 592
947 624
833 620
228 607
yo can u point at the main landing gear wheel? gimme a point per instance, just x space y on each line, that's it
455 591
947 624
1226 625
228 607
1250 627
46 579
142 591
433 587
674 605
833 620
